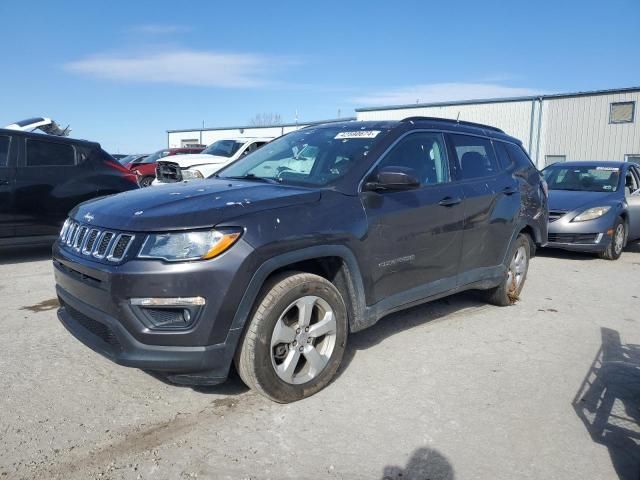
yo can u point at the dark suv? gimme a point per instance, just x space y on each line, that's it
319 233
42 177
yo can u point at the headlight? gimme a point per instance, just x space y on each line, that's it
191 174
591 214
181 246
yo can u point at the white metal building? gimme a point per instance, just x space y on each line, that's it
597 125
205 136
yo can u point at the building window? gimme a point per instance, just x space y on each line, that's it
633 158
551 159
622 112
189 141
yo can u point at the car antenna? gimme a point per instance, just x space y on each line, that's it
458 117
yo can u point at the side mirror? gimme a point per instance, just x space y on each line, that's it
394 178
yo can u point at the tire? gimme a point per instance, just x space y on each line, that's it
146 181
508 292
618 241
279 356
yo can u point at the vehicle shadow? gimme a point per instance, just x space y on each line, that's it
608 403
565 254
232 386
398 322
12 255
425 463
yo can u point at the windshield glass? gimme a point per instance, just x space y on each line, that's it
223 148
582 179
154 157
127 159
311 156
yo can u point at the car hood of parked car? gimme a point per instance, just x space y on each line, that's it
568 200
196 204
186 161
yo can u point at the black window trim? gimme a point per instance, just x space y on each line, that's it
633 112
9 148
393 145
26 153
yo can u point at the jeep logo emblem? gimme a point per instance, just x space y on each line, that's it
88 217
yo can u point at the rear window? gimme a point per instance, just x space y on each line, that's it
475 156
518 155
4 151
49 154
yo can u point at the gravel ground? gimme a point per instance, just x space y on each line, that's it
452 389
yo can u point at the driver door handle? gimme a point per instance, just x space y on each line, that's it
449 201
4 182
509 190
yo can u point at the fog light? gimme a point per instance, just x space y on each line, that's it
167 313
168 302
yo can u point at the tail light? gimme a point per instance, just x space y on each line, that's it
126 173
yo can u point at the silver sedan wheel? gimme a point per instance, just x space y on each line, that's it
618 239
517 270
303 340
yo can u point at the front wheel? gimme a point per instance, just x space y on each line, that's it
508 292
296 338
146 181
619 238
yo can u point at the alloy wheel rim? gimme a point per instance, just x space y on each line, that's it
303 340
618 239
517 269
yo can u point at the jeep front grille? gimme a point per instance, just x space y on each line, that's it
95 242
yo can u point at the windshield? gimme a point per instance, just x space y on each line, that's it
154 157
127 159
223 148
582 179
311 156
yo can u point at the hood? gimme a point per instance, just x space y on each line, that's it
195 204
186 161
568 200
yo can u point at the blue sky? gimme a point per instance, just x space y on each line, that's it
122 73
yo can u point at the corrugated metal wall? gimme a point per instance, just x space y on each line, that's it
575 127
512 117
210 136
579 128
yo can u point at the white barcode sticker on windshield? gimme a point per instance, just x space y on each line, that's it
357 134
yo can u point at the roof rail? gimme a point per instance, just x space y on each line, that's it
449 120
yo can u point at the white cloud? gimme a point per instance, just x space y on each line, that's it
441 92
181 67
159 29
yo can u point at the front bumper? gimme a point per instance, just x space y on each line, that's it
96 309
589 236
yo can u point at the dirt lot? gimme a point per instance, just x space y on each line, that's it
454 389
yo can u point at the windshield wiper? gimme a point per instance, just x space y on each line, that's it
250 176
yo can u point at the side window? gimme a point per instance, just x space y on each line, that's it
518 155
4 150
49 154
630 182
475 156
503 156
423 152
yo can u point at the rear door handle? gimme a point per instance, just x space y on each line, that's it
449 201
509 190
4 182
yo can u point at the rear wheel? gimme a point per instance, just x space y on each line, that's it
296 338
618 239
508 292
146 181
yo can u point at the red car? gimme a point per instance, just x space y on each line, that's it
146 168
